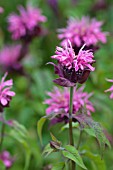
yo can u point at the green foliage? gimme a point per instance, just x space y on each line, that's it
59 166
96 130
73 154
47 150
96 159
90 131
40 126
2 166
20 133
74 125
100 136
27 106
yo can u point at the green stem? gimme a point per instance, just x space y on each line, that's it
79 139
2 132
70 124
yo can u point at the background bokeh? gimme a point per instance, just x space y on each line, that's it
27 106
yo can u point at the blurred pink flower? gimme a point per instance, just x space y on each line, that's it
5 93
6 158
82 31
75 68
59 102
25 24
110 89
9 56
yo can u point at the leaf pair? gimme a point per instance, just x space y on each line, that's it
72 153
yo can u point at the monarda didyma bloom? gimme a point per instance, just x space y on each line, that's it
72 68
26 25
5 93
9 58
6 158
59 103
110 89
85 31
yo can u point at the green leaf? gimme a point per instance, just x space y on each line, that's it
40 126
2 166
53 137
99 163
85 121
51 116
74 125
41 123
47 150
58 166
100 136
90 131
73 154
20 128
20 133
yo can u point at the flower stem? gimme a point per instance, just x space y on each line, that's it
70 124
79 139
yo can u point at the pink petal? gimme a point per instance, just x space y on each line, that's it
10 93
110 80
4 101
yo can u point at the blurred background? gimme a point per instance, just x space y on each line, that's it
31 86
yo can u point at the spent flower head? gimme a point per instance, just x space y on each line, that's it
58 103
5 93
110 89
72 67
82 31
27 24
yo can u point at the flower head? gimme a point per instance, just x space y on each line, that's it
58 103
85 31
9 57
110 89
6 158
5 93
72 68
27 24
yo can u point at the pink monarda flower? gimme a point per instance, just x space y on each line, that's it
5 93
110 89
59 103
85 31
6 158
27 24
9 57
72 68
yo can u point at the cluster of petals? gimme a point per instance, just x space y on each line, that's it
110 89
28 19
5 93
6 158
9 55
82 31
59 102
66 57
